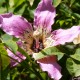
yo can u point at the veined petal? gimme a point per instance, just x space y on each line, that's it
44 15
50 65
62 36
15 57
15 24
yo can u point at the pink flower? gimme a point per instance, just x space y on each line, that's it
39 36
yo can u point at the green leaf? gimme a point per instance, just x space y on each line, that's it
76 55
31 2
47 52
18 2
1 2
11 3
72 1
61 22
6 37
56 2
4 59
2 10
2 50
73 67
76 15
12 45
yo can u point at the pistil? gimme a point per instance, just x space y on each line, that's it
36 47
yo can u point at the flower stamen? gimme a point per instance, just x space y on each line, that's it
37 47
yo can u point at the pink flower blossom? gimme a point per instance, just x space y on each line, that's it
39 36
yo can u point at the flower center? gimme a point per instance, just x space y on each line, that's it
35 48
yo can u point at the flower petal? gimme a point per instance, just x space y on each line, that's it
62 36
15 24
44 15
15 57
50 65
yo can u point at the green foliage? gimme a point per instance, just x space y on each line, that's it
76 56
7 39
73 67
56 2
4 59
73 64
47 52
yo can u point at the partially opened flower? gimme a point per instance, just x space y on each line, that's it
39 36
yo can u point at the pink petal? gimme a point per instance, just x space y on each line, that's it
18 56
15 56
44 15
15 24
50 65
62 36
1 20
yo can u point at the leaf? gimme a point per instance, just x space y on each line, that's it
73 68
61 22
31 2
2 10
2 50
4 59
6 37
12 45
56 2
4 74
11 3
1 2
76 15
76 55
18 2
72 1
47 52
